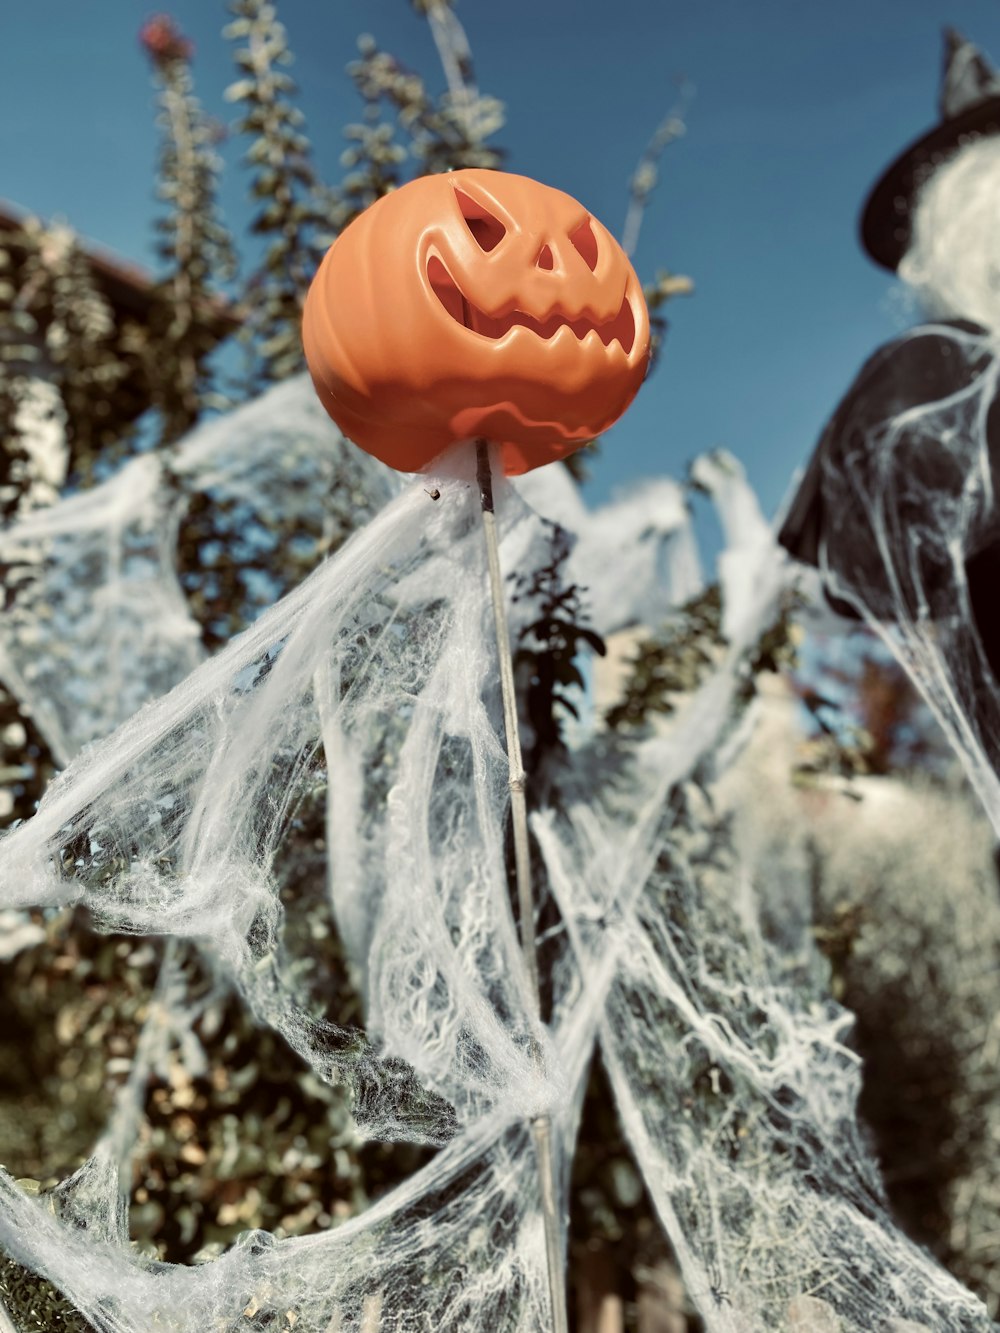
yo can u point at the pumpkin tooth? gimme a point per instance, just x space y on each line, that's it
621 328
446 289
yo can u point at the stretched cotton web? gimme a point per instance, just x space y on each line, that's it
635 557
372 687
910 527
736 1091
97 622
175 827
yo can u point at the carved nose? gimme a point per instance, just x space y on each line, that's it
544 259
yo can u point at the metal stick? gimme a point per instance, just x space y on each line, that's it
541 1126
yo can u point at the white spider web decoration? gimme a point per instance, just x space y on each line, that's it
375 678
910 524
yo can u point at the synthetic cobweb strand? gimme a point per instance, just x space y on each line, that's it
156 812
635 556
458 1247
728 1062
461 1245
909 500
737 1095
170 826
98 622
380 667
731 1076
98 625
273 462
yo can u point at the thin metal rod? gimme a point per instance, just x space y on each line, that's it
541 1126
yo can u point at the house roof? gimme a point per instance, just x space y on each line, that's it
128 287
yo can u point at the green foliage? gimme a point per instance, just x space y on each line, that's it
545 658
671 663
905 907
613 1227
193 242
254 1140
69 384
442 134
662 289
236 556
296 214
36 1304
57 326
26 762
18 352
93 361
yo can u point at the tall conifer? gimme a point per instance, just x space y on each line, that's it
193 241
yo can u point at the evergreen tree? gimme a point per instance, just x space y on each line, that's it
444 133
194 243
455 129
295 211
66 390
92 366
63 358
19 351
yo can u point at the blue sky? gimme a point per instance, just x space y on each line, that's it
797 108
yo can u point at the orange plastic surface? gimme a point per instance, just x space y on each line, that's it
475 304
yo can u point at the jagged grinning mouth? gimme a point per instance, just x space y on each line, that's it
620 329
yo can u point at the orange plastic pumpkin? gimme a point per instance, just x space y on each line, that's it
475 304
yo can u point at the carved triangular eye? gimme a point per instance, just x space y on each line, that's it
487 230
584 240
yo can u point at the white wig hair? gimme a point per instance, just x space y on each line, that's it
953 263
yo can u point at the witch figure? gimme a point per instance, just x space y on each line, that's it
898 507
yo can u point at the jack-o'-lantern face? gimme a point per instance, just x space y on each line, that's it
475 304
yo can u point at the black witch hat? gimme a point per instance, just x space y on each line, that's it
970 108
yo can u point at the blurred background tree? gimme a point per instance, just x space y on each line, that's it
194 245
